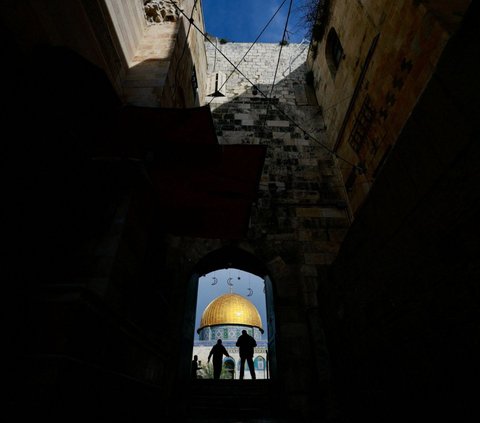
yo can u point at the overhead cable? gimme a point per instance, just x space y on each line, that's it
265 95
278 60
248 51
281 46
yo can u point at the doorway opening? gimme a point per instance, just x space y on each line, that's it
230 301
254 291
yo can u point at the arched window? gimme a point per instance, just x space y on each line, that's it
259 363
333 51
229 365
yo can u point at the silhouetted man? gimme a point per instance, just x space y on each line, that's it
218 351
246 344
195 367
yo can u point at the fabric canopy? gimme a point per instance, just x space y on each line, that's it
202 189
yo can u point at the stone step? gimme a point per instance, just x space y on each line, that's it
231 386
236 399
216 408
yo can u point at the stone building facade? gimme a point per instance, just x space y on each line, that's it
369 70
398 305
162 67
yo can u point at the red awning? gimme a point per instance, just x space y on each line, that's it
202 189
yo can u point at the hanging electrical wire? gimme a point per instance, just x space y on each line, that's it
276 106
248 51
282 43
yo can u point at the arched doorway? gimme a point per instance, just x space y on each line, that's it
224 259
230 301
229 365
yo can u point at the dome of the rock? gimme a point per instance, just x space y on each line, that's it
231 309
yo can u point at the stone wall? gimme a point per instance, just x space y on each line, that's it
384 65
300 218
162 68
300 202
402 307
129 22
186 79
82 26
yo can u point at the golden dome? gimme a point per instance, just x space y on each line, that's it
231 309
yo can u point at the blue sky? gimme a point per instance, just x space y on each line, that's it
242 20
207 292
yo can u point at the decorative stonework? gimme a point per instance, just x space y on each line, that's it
227 332
158 11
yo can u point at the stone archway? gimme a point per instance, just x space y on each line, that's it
222 258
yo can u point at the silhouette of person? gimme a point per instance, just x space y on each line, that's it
246 344
218 351
195 367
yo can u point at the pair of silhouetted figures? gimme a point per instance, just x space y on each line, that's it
246 345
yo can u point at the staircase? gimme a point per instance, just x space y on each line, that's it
231 401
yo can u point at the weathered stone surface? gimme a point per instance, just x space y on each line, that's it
160 11
159 72
367 102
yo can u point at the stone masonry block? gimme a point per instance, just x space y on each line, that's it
309 212
308 270
316 258
278 123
